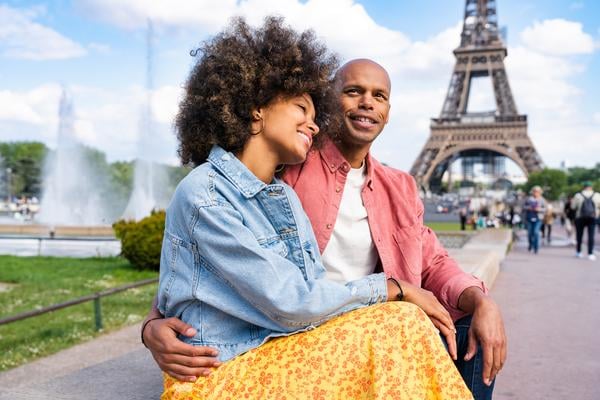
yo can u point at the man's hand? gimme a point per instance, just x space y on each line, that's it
487 328
435 310
178 359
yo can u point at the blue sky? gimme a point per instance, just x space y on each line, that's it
97 50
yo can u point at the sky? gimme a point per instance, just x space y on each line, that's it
96 51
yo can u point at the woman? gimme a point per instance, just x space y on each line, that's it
240 262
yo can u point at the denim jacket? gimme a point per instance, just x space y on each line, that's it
240 262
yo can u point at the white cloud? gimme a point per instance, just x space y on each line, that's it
207 15
165 103
596 117
22 38
32 106
558 37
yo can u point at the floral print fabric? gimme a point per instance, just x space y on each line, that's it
386 351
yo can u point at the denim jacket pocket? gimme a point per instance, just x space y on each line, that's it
408 240
274 244
178 267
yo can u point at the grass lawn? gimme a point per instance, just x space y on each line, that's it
444 226
43 281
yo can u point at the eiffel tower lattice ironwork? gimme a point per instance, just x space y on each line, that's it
459 133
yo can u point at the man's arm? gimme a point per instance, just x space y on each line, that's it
178 359
487 328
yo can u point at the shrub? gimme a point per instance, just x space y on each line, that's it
141 241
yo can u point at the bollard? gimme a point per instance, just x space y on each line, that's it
98 313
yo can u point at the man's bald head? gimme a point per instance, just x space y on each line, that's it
361 64
363 87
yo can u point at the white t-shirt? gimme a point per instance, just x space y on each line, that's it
350 253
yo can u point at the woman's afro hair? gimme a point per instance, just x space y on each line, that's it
242 69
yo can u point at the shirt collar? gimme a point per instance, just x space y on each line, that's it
334 160
235 171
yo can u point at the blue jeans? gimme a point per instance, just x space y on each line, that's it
533 234
471 371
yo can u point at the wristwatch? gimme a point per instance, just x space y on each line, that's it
400 295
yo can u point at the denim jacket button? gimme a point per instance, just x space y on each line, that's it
354 291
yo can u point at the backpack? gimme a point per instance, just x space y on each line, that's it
588 208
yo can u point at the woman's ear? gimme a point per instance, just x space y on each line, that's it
257 125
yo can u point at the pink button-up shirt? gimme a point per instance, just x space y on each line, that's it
407 249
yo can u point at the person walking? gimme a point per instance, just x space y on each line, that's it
586 205
547 222
569 214
535 208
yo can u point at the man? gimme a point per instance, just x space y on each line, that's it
367 218
586 205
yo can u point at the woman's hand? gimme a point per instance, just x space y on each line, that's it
180 360
435 311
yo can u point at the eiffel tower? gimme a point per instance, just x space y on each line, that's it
484 136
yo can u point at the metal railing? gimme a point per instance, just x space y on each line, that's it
95 297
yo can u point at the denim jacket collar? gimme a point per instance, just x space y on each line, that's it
235 171
335 160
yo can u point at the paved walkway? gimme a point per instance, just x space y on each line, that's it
551 307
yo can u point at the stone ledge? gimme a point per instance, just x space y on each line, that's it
483 253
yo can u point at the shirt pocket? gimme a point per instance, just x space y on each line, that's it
409 245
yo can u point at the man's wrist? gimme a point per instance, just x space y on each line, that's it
471 298
144 325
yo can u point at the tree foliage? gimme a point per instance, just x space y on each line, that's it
553 181
25 161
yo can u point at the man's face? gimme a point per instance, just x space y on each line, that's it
365 102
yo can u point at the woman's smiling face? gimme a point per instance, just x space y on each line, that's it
288 126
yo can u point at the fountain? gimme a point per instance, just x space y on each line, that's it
149 178
71 194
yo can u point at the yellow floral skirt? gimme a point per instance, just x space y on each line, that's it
386 351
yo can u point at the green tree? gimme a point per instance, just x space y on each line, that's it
553 181
26 162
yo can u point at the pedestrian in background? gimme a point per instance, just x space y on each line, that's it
569 214
586 205
534 208
462 213
547 222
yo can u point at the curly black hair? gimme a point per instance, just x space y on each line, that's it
242 69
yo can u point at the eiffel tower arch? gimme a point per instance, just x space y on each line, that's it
457 133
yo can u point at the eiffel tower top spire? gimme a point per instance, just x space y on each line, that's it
480 26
